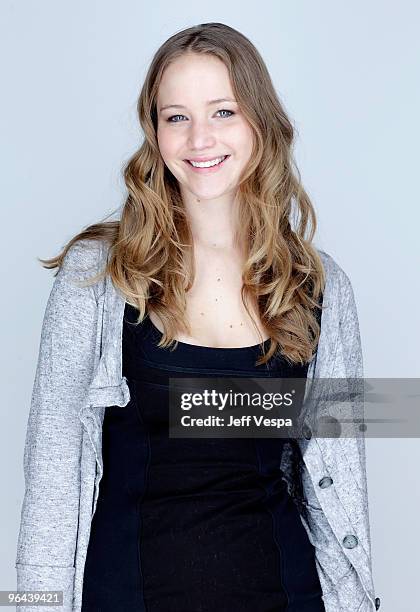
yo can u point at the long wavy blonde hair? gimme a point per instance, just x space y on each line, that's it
150 257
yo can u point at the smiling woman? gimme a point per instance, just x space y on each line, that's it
209 132
203 260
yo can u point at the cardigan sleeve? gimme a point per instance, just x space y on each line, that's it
353 359
51 459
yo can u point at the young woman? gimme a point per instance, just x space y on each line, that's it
202 275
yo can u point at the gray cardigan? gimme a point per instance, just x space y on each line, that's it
79 373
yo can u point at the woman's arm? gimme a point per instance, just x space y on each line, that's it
49 516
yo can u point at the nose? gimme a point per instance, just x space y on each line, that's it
200 136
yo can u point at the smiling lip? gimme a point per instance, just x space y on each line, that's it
210 169
204 159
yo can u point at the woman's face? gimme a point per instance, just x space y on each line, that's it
195 128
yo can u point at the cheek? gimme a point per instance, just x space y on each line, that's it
244 140
246 150
167 143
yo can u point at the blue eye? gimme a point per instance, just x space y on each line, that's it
223 110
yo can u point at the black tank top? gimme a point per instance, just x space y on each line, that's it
193 525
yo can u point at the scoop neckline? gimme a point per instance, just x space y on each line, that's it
209 348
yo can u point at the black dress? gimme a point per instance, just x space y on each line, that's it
192 525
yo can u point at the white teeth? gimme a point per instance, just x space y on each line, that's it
207 164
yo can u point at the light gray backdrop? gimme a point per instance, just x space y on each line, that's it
348 76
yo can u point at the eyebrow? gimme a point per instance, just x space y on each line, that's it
217 101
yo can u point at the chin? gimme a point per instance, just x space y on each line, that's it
209 195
